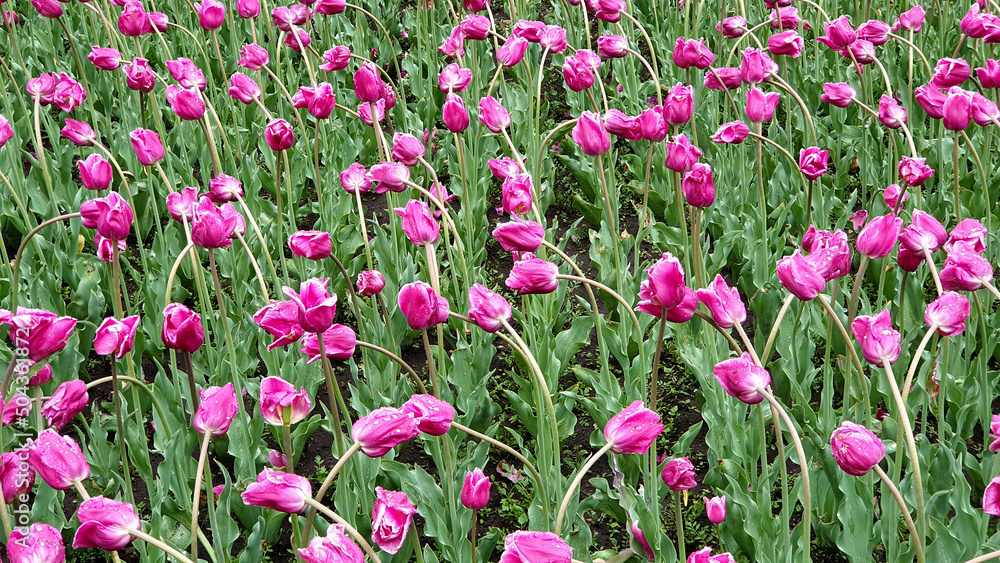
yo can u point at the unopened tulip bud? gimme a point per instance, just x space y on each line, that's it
855 448
679 475
741 378
633 430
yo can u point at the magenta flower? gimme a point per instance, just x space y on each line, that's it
493 115
726 78
678 105
991 497
950 72
756 66
840 94
134 21
798 275
839 34
182 328
139 76
856 449
913 172
652 126
95 172
370 282
734 132
57 459
336 58
338 340
624 126
741 378
367 83
476 490
253 57
280 319
407 149
733 27
923 233
878 237
684 310
829 252
418 223
316 306
454 114
38 542
488 309
964 269
68 401
984 111
590 133
421 306
533 277
519 236
535 547
910 20
433 416
639 536
612 46
334 547
248 9
715 509
187 104
994 433
106 524
681 154
116 337
277 490
760 106
80 133
679 475
392 516
788 43
355 179
724 303
956 113
989 76
633 430
812 162
147 146
877 337
891 196
314 245
383 429
211 14
277 395
454 78
692 53
110 215
243 88
212 226
970 231
578 72
890 113
216 410
663 287
15 479
875 31
390 176
516 194
48 8
512 51
105 58
948 313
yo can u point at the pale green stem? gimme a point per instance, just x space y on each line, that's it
206 438
326 485
576 483
917 544
347 526
911 445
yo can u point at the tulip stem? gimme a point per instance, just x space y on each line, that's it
699 265
364 230
16 268
430 364
576 483
40 153
326 485
774 328
145 388
805 110
213 151
222 67
223 315
333 392
982 176
934 272
590 294
195 500
413 374
472 534
760 177
804 472
849 345
729 338
958 203
911 445
679 521
416 546
160 544
656 361
5 517
988 557
857 288
256 266
613 293
748 344
263 245
347 526
189 365
917 544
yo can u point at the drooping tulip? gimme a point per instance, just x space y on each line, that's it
519 236
334 547
678 105
879 236
432 416
723 302
488 309
840 94
105 524
216 410
147 146
392 517
948 313
182 329
422 307
741 378
798 275
80 133
58 460
533 277
69 400
679 475
116 337
663 287
418 223
277 490
914 171
734 132
493 115
877 337
839 34
633 430
855 448
692 53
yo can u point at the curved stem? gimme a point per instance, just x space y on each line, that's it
654 72
430 364
747 343
492 441
223 315
263 245
398 360
326 485
256 267
982 176
853 308
849 345
988 557
679 523
729 338
576 483
927 65
173 272
347 526
197 492
804 472
160 544
934 272
653 395
911 444
145 388
613 293
774 328
916 359
917 544
350 291
805 110
333 392
548 138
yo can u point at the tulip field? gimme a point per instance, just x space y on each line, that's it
461 281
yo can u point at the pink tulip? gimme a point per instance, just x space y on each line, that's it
57 459
106 524
105 58
370 282
991 497
724 303
512 51
989 76
734 132
840 94
910 20
504 167
48 8
105 247
134 21
733 27
454 46
487 309
367 83
839 34
679 475
95 172
663 287
454 114
741 378
610 10
248 9
279 135
578 72
79 133
533 277
612 46
652 126
474 27
139 76
42 88
856 449
519 236
875 31
861 51
418 223
756 66
16 477
877 337
316 306
278 399
243 88
493 115
476 490
187 104
211 14
392 516
46 333
253 57
355 179
681 154
786 43
964 269
969 231
950 72
715 509
786 17
216 410
280 319
277 490
984 111
994 433
454 78
591 134
6 131
339 342
678 105
298 39
799 276
114 336
956 112
182 328
633 430
931 99
891 196
68 401
314 245
879 236
421 306
683 311
210 227
158 21
110 215
639 536
723 79
69 94
535 547
913 171
692 53
334 547
16 409
829 252
812 162
553 38
432 416
516 192
760 106
407 149
336 58
924 233
623 126
948 313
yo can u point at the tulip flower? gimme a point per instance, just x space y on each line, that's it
989 76
623 126
147 146
6 131
454 46
760 106
610 10
248 9
68 401
114 336
454 114
316 306
663 287
879 236
875 31
913 171
839 34
679 475
692 53
253 57
910 20
243 88
984 111
488 309
741 377
370 282
211 14
931 100
681 154
756 66
512 51
69 94
503 168
553 38
678 105
786 17
877 337
407 149
652 126
612 46
355 179
454 78
994 433
840 94
279 135
105 524
334 547
798 275
925 233
46 333
732 27
216 410
182 328
734 132
948 313
533 277
829 252
724 303
535 547
855 448
950 72
698 186
105 58
38 542
139 76
715 509
79 133
314 245
493 115
330 7
280 319
187 74
277 459
578 72
277 490
298 39
964 269
683 311
421 306
591 134
969 231
475 27
367 83
991 497
158 21
786 43
519 236
723 79
110 215
812 162
418 223
956 113
432 416
225 188
134 21
890 195
392 516
339 342
890 113
211 228
57 459
336 58
516 194
16 476
476 490
633 430
95 172
48 8
278 396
